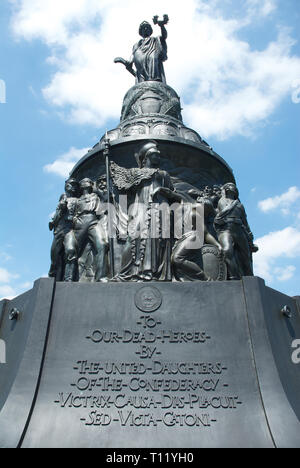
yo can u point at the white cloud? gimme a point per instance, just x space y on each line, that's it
282 202
6 276
285 274
63 165
261 7
276 246
227 87
25 286
10 286
7 292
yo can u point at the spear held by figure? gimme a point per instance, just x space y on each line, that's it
106 154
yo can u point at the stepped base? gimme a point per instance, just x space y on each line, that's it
139 365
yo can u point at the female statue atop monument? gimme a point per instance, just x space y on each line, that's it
149 53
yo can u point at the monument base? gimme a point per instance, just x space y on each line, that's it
160 365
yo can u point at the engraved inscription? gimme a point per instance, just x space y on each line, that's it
151 389
164 336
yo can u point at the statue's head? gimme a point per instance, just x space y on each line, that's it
149 155
217 190
71 187
101 183
145 29
207 192
86 184
231 189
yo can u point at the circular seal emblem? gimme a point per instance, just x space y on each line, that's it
148 299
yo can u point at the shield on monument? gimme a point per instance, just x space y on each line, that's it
213 263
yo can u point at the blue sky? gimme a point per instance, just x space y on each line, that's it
236 66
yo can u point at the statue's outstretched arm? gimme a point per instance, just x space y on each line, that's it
164 33
128 64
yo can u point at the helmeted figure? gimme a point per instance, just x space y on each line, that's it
147 255
234 233
62 226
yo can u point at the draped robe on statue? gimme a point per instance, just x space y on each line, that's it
146 256
148 56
